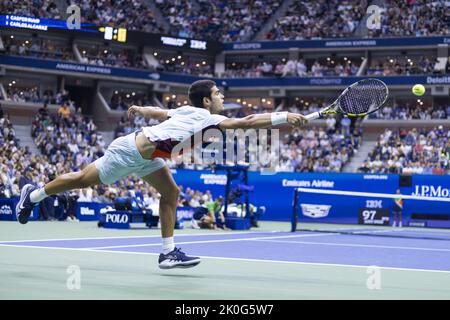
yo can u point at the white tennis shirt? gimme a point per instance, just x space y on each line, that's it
182 124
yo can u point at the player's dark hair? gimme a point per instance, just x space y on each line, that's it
198 90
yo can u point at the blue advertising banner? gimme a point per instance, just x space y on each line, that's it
337 43
185 213
276 192
90 211
379 211
55 65
120 219
345 209
76 67
8 210
329 81
427 213
115 220
184 217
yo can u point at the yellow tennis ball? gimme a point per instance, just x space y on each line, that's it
418 90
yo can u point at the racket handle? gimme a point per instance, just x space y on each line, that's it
313 116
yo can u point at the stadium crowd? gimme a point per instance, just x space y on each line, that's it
342 67
186 65
123 100
401 65
240 20
293 68
71 152
11 156
120 58
23 94
224 21
301 150
69 141
38 48
31 8
67 136
127 126
32 94
320 149
412 110
415 151
417 18
318 19
129 14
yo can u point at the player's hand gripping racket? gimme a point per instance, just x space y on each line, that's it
358 100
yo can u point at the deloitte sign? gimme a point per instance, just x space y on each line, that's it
438 80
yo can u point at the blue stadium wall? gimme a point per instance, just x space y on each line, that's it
276 193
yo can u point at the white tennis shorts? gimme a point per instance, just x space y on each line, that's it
122 159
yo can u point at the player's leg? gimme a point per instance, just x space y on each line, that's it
120 160
31 195
164 183
87 177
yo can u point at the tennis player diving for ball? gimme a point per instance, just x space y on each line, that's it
140 153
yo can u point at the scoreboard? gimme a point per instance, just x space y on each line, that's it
40 24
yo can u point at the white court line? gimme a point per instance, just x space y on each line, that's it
239 259
419 232
354 245
267 239
209 241
149 236
320 234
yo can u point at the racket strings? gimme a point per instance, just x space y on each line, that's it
364 97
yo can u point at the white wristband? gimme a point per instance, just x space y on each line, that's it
279 117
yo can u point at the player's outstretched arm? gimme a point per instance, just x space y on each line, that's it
264 120
148 112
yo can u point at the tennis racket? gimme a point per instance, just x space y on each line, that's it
358 100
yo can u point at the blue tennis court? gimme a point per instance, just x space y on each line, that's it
298 247
269 263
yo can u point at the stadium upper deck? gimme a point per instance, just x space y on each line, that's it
228 21
162 66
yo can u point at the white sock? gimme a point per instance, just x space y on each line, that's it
168 245
38 195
